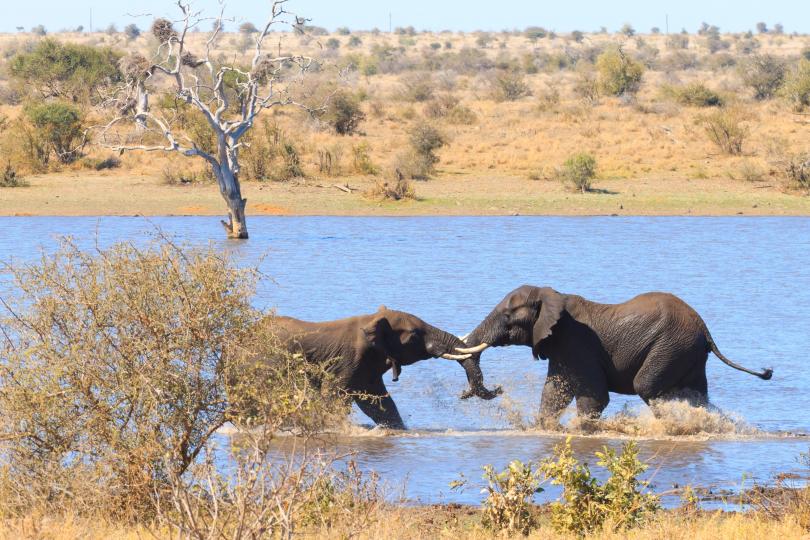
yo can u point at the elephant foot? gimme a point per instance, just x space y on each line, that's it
549 423
588 424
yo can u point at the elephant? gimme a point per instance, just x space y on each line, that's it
654 346
359 350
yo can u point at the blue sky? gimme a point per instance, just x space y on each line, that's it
467 15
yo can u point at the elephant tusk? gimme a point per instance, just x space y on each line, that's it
464 337
473 350
448 356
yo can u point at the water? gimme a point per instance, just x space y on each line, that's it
748 277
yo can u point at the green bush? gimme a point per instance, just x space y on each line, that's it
420 160
65 70
343 113
60 126
579 170
726 128
618 74
695 95
507 507
797 86
764 74
621 502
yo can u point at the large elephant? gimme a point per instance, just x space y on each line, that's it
653 345
360 349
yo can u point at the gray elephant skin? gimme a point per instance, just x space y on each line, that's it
654 345
359 350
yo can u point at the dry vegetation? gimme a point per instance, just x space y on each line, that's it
711 122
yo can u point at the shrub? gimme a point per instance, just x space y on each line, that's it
400 189
677 41
797 86
98 164
60 126
270 156
343 113
132 31
361 160
793 167
507 507
65 70
329 160
535 32
628 30
726 129
509 86
420 160
764 74
586 86
695 95
621 502
579 170
332 44
172 176
749 172
10 178
618 74
354 41
416 87
248 27
39 30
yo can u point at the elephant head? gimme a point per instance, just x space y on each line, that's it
404 339
526 316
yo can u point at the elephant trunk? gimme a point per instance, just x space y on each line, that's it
443 344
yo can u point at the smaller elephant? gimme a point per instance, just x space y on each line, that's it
653 345
359 350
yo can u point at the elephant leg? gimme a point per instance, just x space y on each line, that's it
377 404
665 371
558 393
694 388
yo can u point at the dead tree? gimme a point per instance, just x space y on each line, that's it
230 97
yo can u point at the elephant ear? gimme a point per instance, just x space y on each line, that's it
551 309
377 332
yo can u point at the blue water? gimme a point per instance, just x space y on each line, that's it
748 277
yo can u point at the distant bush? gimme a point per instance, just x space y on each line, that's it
329 160
694 95
748 171
535 32
172 176
726 128
628 30
509 86
343 113
354 41
793 167
98 164
621 502
578 170
417 87
248 27
39 30
270 156
361 160
449 108
332 43
618 74
60 126
65 70
343 30
397 190
796 89
10 178
132 31
424 140
586 86
677 41
764 74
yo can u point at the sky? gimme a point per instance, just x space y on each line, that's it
436 15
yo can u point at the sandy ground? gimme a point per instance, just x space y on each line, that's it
80 194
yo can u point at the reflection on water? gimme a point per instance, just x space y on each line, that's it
748 277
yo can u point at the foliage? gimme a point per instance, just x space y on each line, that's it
269 155
420 160
60 126
10 178
132 31
416 87
793 167
248 27
579 170
509 496
509 86
621 502
398 190
694 95
726 128
65 70
343 113
618 74
796 88
361 160
764 74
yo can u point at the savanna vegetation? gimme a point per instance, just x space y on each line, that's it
481 122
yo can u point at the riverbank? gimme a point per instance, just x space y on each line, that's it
79 193
450 521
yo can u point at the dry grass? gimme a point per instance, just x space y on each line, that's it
443 522
651 141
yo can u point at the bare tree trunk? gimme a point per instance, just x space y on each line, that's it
142 106
236 226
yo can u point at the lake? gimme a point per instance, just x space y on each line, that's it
749 278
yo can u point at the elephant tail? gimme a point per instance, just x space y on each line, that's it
765 374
